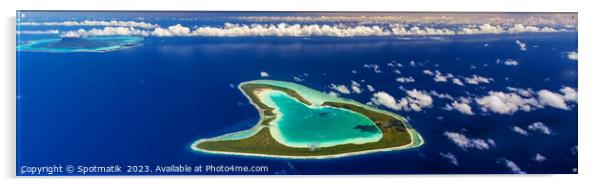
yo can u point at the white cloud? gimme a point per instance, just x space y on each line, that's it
439 77
441 95
283 29
491 142
552 99
405 79
521 99
509 62
298 79
461 107
572 55
106 31
52 31
519 130
506 103
523 92
476 79
521 45
383 98
340 88
428 72
539 158
356 87
569 94
540 127
520 28
466 143
374 67
414 101
297 30
511 165
457 81
174 30
93 23
399 30
333 94
264 74
483 29
451 158
370 88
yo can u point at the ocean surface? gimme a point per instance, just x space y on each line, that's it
146 105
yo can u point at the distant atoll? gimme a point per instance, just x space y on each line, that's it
84 44
299 122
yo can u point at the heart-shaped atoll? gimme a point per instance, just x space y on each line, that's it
299 122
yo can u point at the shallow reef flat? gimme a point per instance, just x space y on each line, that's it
87 44
299 122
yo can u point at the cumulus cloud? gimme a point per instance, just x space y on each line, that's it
414 101
461 105
441 95
356 87
405 79
508 62
451 158
540 127
428 72
526 100
476 79
374 67
521 45
298 79
519 130
299 30
572 55
340 88
52 31
511 165
94 23
466 143
523 92
383 98
106 31
497 29
569 94
457 81
333 94
483 29
370 88
174 30
506 103
282 29
539 158
264 74
520 28
552 99
439 77
463 108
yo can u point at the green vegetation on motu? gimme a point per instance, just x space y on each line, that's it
396 132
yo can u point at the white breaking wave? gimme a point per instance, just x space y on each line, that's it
298 30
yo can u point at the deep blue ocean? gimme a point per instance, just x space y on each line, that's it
146 105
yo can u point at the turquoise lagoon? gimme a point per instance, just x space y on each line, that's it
299 125
85 44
